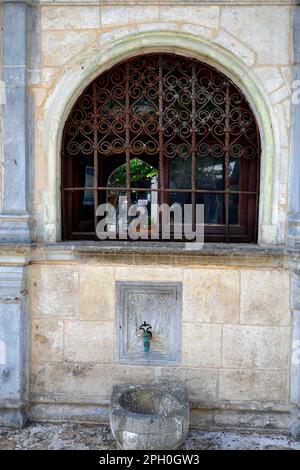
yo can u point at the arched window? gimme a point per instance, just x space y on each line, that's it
161 128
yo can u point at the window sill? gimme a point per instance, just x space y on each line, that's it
148 253
167 248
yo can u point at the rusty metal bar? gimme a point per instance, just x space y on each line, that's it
167 190
227 159
127 132
95 137
193 169
160 130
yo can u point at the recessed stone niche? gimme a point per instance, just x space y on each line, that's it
156 303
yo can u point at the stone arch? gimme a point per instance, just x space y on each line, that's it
96 61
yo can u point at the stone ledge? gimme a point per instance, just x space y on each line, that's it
139 253
209 249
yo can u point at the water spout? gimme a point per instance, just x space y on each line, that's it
147 335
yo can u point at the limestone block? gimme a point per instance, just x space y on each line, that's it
83 382
157 27
255 347
137 273
115 34
111 16
48 75
253 385
39 96
270 77
279 95
89 341
66 17
58 47
265 29
96 299
141 374
265 297
286 73
282 125
201 345
201 383
204 16
53 290
237 48
199 31
211 295
287 104
13 352
47 339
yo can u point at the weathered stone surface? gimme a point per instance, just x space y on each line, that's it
280 95
89 342
47 340
270 77
283 130
149 417
96 298
71 42
83 382
13 356
199 31
255 347
48 75
211 295
237 48
39 95
111 16
53 290
64 17
263 29
201 383
117 33
253 385
204 16
265 297
151 273
201 345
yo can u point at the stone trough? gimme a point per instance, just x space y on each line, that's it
149 417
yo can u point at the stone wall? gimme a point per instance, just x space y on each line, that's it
258 35
236 315
235 336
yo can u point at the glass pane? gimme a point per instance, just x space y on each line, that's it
180 198
214 207
82 208
176 219
210 173
234 174
180 173
234 209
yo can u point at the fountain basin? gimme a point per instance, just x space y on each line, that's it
149 417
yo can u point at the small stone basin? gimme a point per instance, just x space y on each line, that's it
149 417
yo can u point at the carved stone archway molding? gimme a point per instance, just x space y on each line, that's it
100 58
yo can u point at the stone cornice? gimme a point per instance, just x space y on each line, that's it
183 3
27 2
